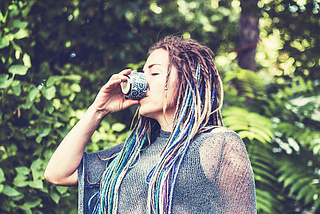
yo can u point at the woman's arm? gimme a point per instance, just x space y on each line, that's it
63 165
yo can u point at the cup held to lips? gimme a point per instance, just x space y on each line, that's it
135 87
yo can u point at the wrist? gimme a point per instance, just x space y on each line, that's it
96 113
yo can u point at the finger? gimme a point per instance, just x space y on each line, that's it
121 74
112 82
126 71
130 102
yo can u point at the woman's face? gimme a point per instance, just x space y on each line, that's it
156 70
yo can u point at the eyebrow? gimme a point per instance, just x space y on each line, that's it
150 66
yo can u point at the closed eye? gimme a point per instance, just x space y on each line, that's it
155 73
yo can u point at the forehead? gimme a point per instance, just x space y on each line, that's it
159 57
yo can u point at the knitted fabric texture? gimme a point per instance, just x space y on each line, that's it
214 177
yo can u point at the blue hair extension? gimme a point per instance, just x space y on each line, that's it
114 173
213 103
165 172
96 204
198 73
162 177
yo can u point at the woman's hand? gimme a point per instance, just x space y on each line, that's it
110 98
62 168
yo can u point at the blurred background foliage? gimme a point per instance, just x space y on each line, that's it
55 55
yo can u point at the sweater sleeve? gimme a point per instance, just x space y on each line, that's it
90 171
225 162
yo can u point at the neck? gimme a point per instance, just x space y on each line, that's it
166 122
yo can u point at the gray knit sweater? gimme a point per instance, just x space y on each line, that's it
214 177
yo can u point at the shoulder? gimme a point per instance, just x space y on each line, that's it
95 163
104 154
221 147
222 139
110 151
219 135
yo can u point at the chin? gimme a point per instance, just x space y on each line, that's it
146 112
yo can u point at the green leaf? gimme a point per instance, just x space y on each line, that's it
55 197
36 169
75 87
5 82
48 104
118 127
20 181
73 77
22 175
26 60
33 202
33 93
18 69
16 87
27 9
19 24
37 184
2 18
1 188
303 191
317 203
4 42
31 132
49 93
39 139
2 177
22 33
62 190
290 180
22 170
45 132
11 192
51 80
299 185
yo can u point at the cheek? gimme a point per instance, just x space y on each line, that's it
173 94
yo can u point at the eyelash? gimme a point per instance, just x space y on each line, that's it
154 74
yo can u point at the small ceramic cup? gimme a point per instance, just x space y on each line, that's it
135 87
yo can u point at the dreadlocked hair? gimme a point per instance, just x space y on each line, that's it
199 100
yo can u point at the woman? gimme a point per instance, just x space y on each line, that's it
177 158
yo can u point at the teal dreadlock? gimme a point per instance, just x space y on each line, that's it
115 172
198 107
165 172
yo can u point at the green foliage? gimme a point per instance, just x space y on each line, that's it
300 52
38 99
280 127
55 55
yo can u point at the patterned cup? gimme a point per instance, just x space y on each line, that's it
136 86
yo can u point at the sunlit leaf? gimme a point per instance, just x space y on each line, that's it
5 82
37 184
16 87
19 24
51 80
62 190
2 177
18 69
11 192
22 33
33 93
4 42
118 127
49 92
55 197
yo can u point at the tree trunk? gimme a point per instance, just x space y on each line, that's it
249 34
